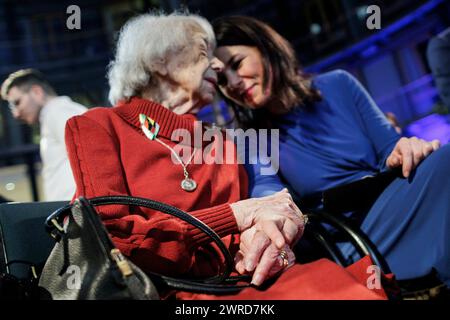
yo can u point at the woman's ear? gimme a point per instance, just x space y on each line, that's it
159 66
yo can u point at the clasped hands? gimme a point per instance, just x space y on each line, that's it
269 227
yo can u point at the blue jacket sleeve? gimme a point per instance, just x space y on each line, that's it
261 164
380 132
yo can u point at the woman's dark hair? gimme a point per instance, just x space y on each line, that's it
290 85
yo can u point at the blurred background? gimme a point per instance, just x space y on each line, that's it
327 34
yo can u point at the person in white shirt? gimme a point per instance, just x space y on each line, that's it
33 100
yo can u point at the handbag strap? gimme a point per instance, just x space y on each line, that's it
210 288
53 223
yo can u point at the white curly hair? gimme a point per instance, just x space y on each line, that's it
146 39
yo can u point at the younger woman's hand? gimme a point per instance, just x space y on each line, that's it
409 152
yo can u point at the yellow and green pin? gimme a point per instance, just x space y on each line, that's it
149 126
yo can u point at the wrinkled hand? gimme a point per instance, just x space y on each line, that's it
259 256
275 215
409 152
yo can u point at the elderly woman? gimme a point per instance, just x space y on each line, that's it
162 74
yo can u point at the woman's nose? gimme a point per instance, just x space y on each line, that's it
217 65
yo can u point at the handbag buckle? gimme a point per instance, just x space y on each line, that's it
121 262
57 231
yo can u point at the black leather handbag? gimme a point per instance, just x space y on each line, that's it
85 264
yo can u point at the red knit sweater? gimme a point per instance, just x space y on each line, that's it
110 155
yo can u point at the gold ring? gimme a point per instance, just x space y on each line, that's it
284 256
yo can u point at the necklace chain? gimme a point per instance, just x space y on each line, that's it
186 173
148 124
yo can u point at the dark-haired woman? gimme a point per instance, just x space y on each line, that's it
332 133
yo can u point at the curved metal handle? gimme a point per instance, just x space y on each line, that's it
362 244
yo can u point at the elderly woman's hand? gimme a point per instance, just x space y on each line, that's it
258 255
409 152
275 215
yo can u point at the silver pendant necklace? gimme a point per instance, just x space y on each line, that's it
187 184
147 125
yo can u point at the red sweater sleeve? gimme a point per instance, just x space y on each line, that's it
156 242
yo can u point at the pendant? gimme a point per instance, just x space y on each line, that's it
188 185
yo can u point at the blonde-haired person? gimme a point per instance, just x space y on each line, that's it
332 133
163 72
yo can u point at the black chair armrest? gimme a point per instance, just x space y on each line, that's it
363 245
358 195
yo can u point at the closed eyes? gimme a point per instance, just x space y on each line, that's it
236 63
